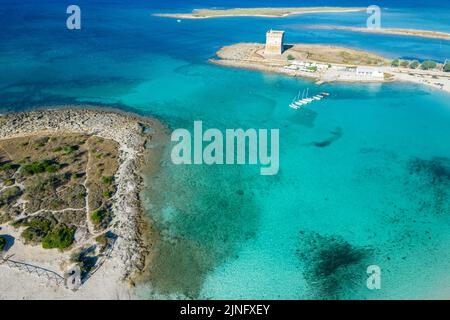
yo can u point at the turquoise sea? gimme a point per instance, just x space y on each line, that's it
364 175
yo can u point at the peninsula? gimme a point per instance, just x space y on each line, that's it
393 31
325 63
69 196
256 12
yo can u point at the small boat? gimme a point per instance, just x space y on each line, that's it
298 102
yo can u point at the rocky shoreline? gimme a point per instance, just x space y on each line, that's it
132 133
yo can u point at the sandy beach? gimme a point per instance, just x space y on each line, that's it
255 12
127 259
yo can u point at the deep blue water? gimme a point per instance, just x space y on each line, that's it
377 194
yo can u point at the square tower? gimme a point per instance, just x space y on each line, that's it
274 43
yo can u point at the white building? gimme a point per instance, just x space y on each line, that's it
369 72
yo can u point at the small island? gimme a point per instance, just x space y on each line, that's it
256 12
69 196
325 63
393 31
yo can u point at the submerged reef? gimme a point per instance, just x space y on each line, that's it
437 169
331 265
434 177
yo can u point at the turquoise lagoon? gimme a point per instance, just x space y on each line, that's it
364 175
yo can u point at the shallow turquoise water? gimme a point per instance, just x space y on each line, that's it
364 174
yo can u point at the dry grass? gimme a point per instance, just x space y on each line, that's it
77 160
338 55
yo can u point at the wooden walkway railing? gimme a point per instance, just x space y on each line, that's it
38 271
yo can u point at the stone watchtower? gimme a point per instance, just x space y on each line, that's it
274 43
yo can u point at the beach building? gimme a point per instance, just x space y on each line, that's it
369 72
274 43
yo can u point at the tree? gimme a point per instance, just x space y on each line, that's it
427 65
395 63
404 63
414 65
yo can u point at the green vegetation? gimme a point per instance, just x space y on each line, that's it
61 237
290 57
427 65
70 149
98 216
312 69
102 241
107 180
414 65
447 67
8 195
2 243
43 230
6 167
8 182
106 194
37 229
404 63
37 167
56 204
395 63
45 185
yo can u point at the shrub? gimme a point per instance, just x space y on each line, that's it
102 240
404 63
37 229
395 63
70 149
9 182
106 194
98 215
6 167
56 204
447 67
290 57
61 238
9 194
107 180
37 167
2 243
426 65
414 65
